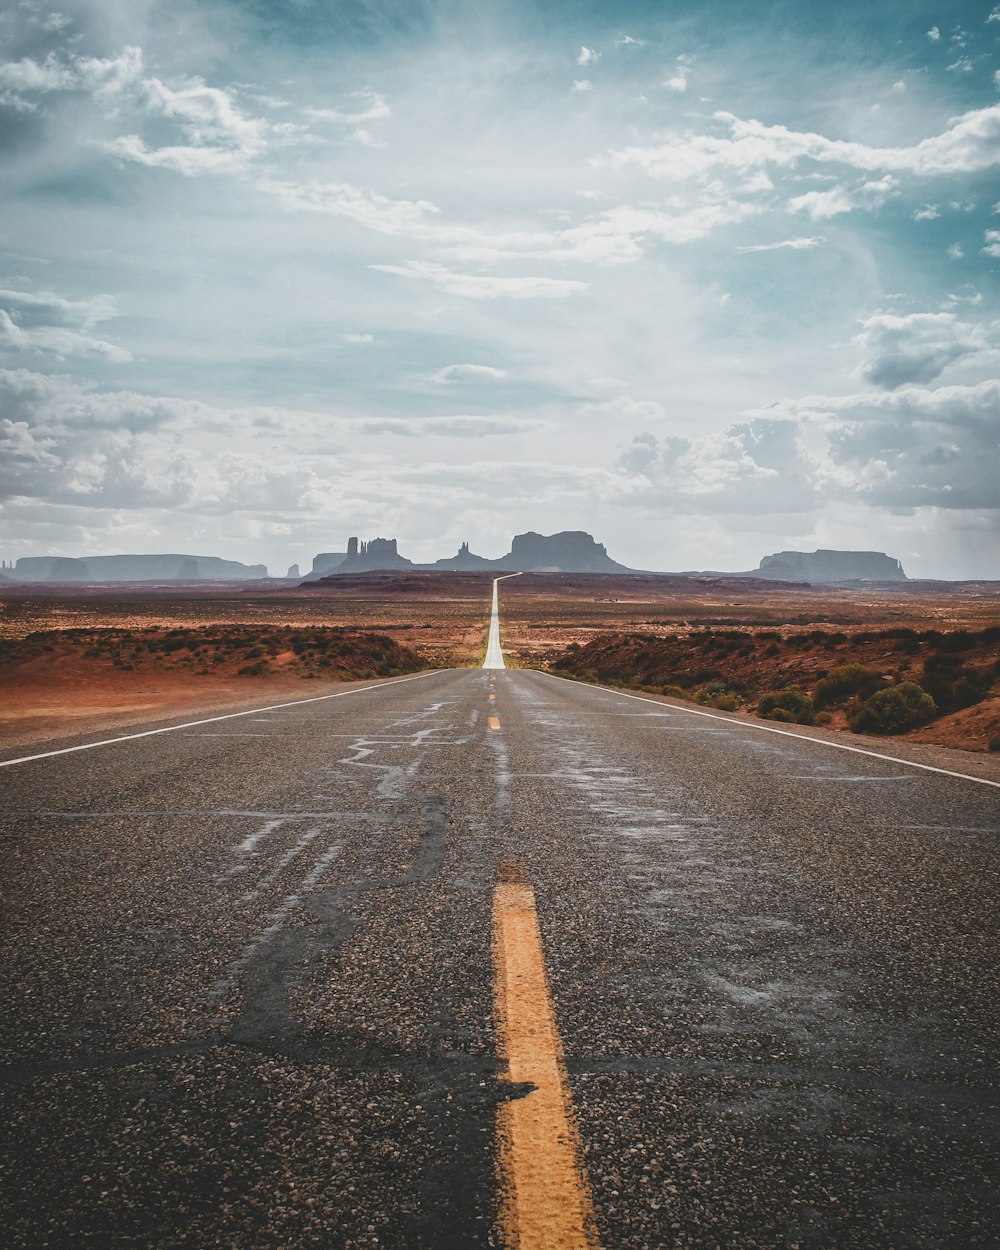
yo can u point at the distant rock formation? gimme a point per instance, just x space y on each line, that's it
366 557
146 568
293 573
572 551
465 561
830 566
325 562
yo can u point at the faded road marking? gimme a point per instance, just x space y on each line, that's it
544 1191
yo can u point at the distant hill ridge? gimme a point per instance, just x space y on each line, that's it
570 551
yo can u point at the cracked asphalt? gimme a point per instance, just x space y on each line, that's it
248 977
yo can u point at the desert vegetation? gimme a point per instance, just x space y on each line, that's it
220 650
887 681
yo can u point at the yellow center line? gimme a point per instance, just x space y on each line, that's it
545 1197
494 722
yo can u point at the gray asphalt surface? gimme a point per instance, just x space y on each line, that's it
248 981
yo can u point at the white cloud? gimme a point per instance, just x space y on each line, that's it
822 205
220 137
903 350
623 41
929 212
992 247
737 469
969 144
467 373
587 56
795 245
582 84
373 108
75 73
341 199
934 34
995 15
42 321
955 251
678 79
908 448
963 65
459 426
484 286
359 338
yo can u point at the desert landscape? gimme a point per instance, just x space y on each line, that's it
73 658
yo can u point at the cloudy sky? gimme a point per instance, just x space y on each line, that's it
709 280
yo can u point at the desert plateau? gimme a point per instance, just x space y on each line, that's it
78 658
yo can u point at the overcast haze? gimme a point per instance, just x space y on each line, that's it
707 280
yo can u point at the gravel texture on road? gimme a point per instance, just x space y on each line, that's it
249 976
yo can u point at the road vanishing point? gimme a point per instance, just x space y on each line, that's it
487 958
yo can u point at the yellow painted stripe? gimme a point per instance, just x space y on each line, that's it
494 722
545 1197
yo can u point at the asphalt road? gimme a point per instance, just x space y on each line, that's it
249 987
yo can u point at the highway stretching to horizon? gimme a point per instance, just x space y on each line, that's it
491 958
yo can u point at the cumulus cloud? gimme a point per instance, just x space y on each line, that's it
992 247
64 444
913 447
902 350
587 56
467 373
755 465
484 286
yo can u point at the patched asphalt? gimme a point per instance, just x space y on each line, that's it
249 995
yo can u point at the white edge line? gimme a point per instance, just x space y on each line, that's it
768 729
209 720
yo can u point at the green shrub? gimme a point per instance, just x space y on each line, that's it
844 681
951 684
894 710
782 714
791 700
822 718
716 694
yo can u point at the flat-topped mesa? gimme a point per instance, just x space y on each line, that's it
366 557
831 566
572 551
137 568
